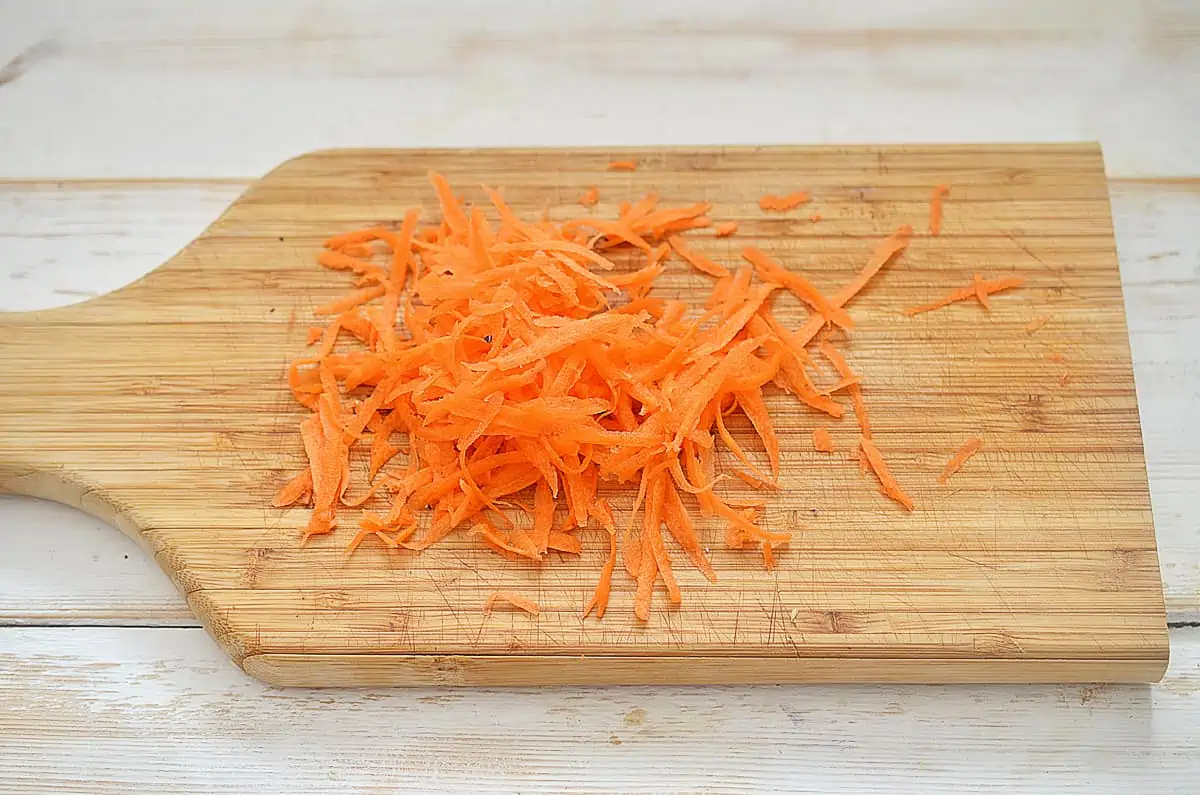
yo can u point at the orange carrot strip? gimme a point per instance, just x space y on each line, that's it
822 441
622 165
599 600
771 271
564 542
935 209
853 388
1037 323
969 448
881 255
966 293
725 228
516 600
890 487
751 401
696 259
349 302
680 525
543 515
452 211
590 197
298 489
772 202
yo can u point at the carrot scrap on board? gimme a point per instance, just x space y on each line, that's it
623 165
590 197
516 600
979 290
890 487
822 441
1036 324
969 448
725 228
815 218
532 369
935 208
773 203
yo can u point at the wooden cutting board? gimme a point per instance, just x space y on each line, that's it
162 409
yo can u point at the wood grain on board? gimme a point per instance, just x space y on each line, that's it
162 408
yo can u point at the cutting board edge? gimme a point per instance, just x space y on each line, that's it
418 670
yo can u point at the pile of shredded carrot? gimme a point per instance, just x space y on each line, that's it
532 371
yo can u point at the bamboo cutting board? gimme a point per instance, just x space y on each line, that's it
163 409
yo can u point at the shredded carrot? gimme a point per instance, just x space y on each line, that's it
725 228
623 165
516 600
526 364
979 289
935 209
1036 324
696 259
890 487
771 271
822 441
590 197
773 203
969 448
815 218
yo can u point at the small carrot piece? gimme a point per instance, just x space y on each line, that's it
978 290
623 165
696 259
890 487
725 228
590 197
935 209
298 489
773 203
1036 324
969 448
516 600
564 542
771 271
815 218
981 292
822 441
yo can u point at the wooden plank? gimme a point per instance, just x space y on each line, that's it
850 72
64 234
201 400
106 710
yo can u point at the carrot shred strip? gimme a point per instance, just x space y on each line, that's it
935 208
516 600
890 487
978 290
774 203
969 448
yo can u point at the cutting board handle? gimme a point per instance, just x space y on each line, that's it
61 376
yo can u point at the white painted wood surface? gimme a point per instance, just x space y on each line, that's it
114 710
125 126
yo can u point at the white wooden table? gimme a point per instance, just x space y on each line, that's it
126 126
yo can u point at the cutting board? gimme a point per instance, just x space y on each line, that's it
162 409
